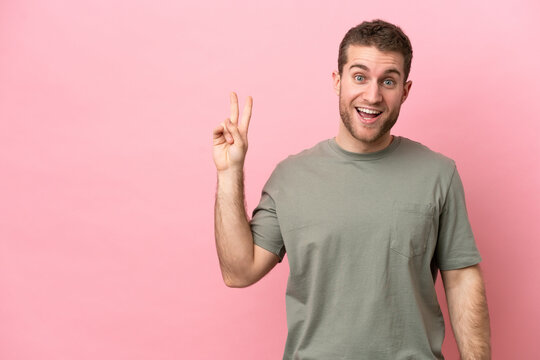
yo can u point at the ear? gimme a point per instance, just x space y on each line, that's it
406 89
336 79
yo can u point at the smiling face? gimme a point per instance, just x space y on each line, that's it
371 90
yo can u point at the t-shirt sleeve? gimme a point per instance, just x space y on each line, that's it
264 222
456 247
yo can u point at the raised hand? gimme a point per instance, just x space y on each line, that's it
230 142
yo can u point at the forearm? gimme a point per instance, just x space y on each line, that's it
234 241
467 306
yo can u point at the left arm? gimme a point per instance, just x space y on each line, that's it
467 306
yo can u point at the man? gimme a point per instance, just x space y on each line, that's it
367 220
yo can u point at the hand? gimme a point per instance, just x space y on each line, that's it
230 138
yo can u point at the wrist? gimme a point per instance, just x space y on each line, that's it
230 183
231 172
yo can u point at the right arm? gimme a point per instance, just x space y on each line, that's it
242 263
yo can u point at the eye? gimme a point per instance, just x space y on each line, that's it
389 82
358 77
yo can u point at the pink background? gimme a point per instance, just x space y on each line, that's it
107 179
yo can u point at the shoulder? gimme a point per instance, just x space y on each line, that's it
296 166
306 157
422 156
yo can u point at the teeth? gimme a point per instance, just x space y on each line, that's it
368 111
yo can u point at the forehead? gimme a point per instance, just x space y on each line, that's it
373 59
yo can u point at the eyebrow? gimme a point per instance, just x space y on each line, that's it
364 67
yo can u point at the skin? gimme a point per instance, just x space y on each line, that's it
372 79
242 263
468 310
230 137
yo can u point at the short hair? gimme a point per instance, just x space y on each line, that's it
381 34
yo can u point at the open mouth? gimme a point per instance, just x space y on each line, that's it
368 116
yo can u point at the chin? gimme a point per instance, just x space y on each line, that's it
367 134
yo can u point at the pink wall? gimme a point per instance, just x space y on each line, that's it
106 203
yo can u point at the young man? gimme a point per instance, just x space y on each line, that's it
367 220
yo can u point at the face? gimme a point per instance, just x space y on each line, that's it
371 90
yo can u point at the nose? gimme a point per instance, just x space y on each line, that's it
372 93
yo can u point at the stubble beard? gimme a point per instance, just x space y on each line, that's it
383 129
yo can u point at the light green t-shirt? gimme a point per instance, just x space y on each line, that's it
365 235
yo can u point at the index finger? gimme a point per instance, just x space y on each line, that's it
246 114
234 108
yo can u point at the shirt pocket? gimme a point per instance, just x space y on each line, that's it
411 227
